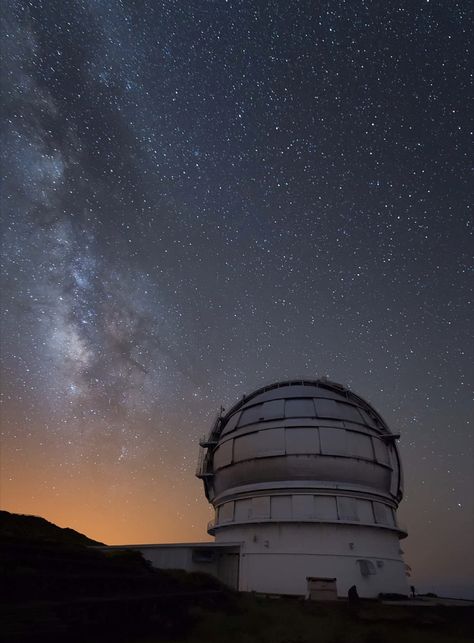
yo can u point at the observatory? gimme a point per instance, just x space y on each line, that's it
305 478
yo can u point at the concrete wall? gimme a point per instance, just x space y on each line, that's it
223 563
279 558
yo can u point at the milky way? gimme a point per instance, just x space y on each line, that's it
200 198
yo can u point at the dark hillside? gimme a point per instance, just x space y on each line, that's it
23 528
55 585
56 588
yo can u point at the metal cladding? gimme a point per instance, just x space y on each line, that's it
311 455
301 430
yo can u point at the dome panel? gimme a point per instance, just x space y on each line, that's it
273 409
302 440
328 408
300 408
381 452
333 441
284 390
315 468
223 454
302 430
231 423
281 392
251 415
359 445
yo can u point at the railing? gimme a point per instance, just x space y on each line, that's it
207 442
204 463
200 462
214 433
202 469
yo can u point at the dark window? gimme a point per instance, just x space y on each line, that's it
203 555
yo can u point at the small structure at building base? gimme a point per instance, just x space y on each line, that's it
321 589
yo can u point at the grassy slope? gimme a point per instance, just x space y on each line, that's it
264 620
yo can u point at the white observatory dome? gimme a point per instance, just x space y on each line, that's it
306 477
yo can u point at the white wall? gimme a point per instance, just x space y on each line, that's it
278 558
286 574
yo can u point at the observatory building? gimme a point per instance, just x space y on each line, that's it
305 478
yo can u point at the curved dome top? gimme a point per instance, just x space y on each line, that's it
316 431
320 398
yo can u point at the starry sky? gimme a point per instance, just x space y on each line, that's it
203 197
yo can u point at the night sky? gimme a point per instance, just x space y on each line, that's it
203 197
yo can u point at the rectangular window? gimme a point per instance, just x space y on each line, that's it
365 511
203 555
325 508
347 509
261 507
303 506
243 509
382 514
299 408
226 512
281 507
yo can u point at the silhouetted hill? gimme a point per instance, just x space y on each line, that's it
24 528
55 585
